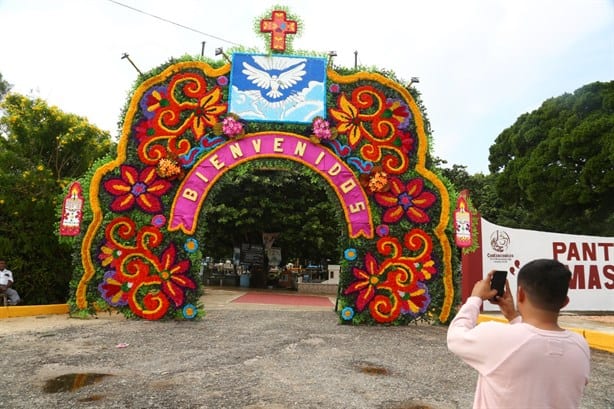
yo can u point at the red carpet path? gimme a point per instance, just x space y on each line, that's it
284 299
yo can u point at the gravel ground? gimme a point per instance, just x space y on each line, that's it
258 357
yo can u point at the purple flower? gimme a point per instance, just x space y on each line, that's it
222 81
382 230
158 220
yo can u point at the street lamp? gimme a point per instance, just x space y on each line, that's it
413 80
331 54
219 51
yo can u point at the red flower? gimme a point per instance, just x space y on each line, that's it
143 189
406 141
173 275
366 282
410 200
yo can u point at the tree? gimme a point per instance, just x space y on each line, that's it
277 199
554 167
481 188
41 150
5 87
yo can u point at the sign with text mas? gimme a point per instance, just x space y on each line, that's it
589 258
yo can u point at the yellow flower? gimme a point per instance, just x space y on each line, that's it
40 168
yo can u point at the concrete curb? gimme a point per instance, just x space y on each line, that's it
30 310
601 340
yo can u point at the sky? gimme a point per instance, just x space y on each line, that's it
480 63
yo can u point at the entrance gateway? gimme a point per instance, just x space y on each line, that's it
189 122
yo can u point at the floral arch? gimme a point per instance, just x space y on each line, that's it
182 132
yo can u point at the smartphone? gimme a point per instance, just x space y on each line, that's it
498 283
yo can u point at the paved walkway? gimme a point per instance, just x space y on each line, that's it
597 329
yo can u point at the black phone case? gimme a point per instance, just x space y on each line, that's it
498 282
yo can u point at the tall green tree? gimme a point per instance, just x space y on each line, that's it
481 188
276 199
41 150
554 167
5 87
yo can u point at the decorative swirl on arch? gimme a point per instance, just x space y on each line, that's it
370 118
153 305
151 151
122 227
418 240
147 237
189 110
385 309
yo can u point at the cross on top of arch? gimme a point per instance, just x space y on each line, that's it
278 26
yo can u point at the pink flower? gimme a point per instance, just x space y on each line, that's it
232 127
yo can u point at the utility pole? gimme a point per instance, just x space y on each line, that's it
202 50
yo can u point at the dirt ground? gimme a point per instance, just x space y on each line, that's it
241 356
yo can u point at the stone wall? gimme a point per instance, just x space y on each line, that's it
317 288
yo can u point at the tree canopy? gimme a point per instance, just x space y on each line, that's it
4 87
554 167
280 199
41 150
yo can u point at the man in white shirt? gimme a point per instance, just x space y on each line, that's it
530 362
6 283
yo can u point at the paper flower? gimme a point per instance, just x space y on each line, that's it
322 130
189 311
347 313
382 230
168 168
231 126
158 220
375 181
409 199
191 245
350 254
137 188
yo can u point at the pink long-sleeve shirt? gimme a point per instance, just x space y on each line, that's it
519 365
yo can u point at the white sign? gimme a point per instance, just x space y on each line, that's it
589 258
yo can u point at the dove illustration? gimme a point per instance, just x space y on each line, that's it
289 74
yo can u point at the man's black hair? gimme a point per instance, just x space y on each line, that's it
546 283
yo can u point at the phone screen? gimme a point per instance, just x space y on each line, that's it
498 282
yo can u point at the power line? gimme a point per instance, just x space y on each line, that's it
172 22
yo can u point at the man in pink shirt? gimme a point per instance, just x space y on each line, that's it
530 363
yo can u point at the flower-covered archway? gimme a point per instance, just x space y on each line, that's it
192 121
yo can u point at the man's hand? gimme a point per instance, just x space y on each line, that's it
482 288
506 303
